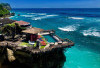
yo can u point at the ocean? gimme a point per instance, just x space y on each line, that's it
81 25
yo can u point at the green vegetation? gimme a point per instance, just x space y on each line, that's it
6 5
11 29
42 47
26 44
3 11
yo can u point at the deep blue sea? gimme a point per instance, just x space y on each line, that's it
82 26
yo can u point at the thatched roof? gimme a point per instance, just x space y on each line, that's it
33 30
22 23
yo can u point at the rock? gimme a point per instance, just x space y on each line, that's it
6 5
10 55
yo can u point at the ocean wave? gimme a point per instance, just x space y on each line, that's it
76 18
43 17
91 32
42 14
31 13
11 17
69 28
37 13
27 15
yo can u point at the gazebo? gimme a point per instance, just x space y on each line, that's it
32 33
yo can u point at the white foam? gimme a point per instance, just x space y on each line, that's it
69 28
75 18
91 32
51 15
42 14
27 15
43 17
11 17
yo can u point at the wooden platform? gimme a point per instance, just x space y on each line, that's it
60 44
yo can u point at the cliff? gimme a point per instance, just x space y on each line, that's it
4 10
6 6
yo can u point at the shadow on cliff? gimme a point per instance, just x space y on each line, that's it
54 59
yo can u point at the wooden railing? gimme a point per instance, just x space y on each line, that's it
49 31
68 40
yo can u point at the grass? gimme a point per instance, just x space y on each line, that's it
42 47
35 45
26 44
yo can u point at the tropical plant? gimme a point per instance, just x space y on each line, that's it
11 29
3 11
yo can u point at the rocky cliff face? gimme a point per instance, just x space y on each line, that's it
6 5
4 9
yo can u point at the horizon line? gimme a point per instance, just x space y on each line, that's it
47 8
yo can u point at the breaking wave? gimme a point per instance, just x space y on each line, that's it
43 17
69 28
91 32
75 18
42 14
11 17
27 15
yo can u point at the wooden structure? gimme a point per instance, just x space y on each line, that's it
33 30
61 44
23 23
15 47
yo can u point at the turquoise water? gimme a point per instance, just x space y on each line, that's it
82 26
49 38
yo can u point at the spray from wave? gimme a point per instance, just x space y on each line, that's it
91 32
69 28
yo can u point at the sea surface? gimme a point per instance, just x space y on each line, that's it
82 26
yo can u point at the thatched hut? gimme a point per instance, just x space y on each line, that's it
23 23
32 33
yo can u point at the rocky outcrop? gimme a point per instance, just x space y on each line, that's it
6 5
10 55
4 10
52 59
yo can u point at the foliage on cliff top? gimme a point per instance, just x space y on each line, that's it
6 5
11 29
3 11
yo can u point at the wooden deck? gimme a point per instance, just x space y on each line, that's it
46 32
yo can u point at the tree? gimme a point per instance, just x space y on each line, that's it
3 11
11 30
